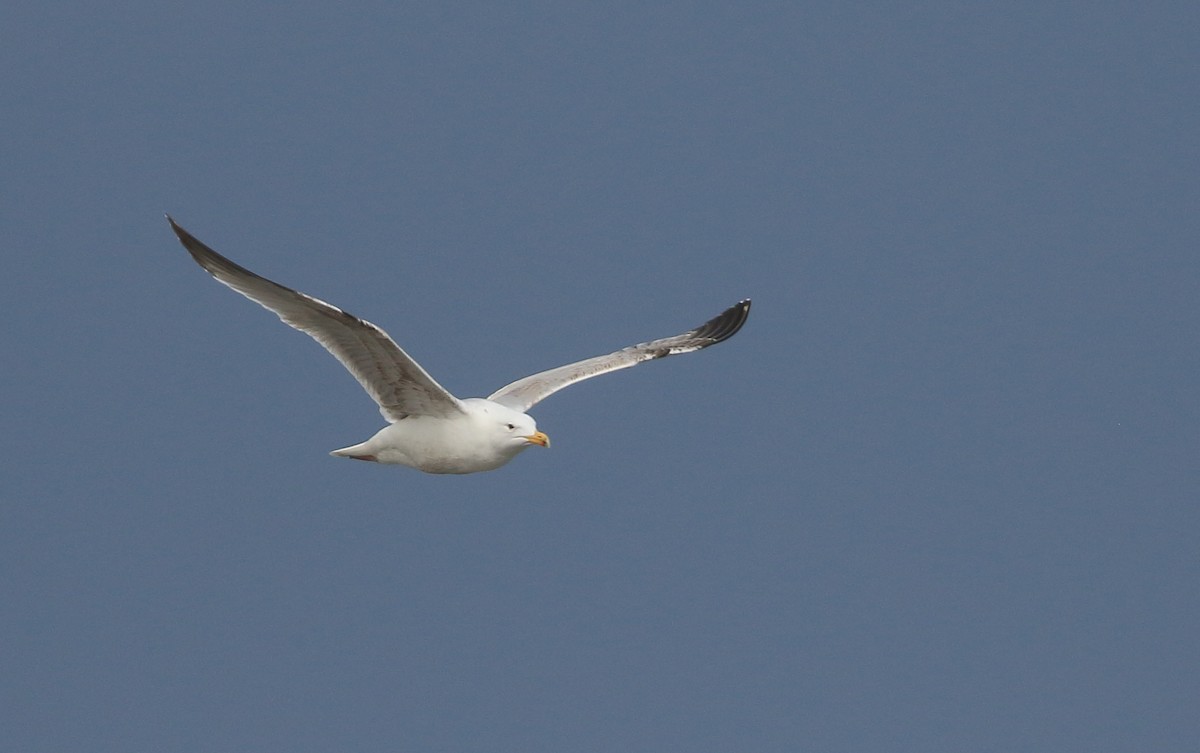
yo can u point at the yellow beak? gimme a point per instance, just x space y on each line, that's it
538 438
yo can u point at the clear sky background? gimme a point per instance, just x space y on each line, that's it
940 494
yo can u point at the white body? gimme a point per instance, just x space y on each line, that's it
479 440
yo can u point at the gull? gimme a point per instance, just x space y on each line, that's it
428 428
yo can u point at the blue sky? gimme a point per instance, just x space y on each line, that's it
938 495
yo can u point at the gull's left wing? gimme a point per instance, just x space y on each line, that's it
525 393
389 375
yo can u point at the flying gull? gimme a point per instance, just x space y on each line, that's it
428 428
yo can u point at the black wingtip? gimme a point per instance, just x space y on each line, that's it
725 324
210 260
183 235
197 249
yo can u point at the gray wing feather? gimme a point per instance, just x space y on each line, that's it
393 379
525 393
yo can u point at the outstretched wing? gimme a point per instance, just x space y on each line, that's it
393 380
524 393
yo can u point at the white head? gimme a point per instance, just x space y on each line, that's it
510 430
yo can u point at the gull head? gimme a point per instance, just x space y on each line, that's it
509 430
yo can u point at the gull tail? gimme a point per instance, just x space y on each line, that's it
356 452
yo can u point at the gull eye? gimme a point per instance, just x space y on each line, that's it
511 427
